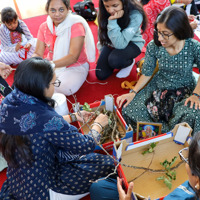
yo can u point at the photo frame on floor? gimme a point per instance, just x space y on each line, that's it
148 129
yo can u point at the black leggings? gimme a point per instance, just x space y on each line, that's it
5 89
111 59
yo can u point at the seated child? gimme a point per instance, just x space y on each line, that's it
17 43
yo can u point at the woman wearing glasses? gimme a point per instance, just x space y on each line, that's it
47 157
189 190
69 43
172 96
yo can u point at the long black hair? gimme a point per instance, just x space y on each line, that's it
123 22
144 2
176 20
32 77
8 15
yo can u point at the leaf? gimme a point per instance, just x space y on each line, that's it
86 107
173 175
153 145
160 178
173 161
168 183
169 176
150 150
144 152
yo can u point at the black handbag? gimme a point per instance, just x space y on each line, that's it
86 9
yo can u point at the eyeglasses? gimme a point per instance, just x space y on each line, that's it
164 35
183 153
56 83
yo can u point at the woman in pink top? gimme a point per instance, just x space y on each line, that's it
69 43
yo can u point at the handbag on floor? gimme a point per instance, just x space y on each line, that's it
86 9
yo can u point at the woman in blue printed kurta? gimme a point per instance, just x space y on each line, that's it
33 135
176 53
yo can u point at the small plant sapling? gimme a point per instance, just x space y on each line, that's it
169 174
151 148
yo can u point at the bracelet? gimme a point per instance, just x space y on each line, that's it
72 117
132 91
98 124
195 94
52 64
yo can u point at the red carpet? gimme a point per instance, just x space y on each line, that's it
91 91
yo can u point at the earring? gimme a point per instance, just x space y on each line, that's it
196 187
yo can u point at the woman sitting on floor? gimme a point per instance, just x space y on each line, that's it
69 43
172 96
47 157
120 36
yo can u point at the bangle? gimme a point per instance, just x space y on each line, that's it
132 91
98 124
72 117
195 94
52 64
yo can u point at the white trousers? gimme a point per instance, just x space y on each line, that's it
58 196
71 78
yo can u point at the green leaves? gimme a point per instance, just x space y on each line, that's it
169 175
151 149
86 107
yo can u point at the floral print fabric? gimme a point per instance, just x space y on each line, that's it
160 104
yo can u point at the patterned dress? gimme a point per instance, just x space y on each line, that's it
174 72
49 134
152 9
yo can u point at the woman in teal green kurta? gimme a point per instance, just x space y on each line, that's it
176 53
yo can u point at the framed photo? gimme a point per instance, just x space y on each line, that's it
148 129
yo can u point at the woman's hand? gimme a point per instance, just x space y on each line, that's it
27 46
194 24
125 97
5 70
194 100
122 194
102 119
84 116
117 15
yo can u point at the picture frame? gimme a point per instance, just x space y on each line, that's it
148 129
